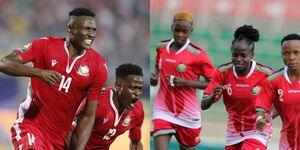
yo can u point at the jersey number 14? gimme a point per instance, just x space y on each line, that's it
65 83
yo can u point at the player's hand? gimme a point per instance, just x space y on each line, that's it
218 91
261 120
50 76
154 79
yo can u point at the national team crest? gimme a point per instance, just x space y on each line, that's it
255 90
83 70
181 67
126 121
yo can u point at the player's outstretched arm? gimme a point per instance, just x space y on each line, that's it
208 100
136 145
84 128
13 65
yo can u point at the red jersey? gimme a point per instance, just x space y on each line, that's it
50 109
109 124
180 105
285 95
240 100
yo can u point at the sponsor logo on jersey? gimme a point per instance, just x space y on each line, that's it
26 47
126 121
105 120
83 70
293 91
255 90
242 85
53 62
170 60
181 67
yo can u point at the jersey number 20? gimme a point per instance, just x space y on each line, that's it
110 134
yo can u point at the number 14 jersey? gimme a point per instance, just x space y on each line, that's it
49 109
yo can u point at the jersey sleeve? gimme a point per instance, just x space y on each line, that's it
32 51
265 97
205 66
99 81
216 80
135 133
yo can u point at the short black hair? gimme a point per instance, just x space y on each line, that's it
81 12
292 36
246 33
128 69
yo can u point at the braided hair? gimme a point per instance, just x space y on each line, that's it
247 34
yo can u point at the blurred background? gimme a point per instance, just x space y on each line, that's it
122 37
214 25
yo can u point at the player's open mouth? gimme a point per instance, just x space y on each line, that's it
88 41
239 65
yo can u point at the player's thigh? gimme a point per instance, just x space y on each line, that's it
162 133
31 141
188 137
161 142
253 144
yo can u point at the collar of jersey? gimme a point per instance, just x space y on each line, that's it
69 68
117 117
253 65
181 49
286 76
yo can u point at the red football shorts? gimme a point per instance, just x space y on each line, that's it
187 137
248 144
30 140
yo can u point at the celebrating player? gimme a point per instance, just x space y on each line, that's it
179 64
65 70
120 110
240 82
282 89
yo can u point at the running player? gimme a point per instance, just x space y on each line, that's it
120 110
65 70
240 82
282 89
179 64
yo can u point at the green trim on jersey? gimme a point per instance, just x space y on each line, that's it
192 50
265 70
165 133
225 68
162 43
276 75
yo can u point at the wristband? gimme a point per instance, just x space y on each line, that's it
259 117
171 80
